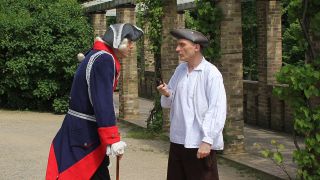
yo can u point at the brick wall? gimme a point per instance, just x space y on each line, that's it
128 81
230 64
169 58
99 23
269 40
278 113
269 54
148 54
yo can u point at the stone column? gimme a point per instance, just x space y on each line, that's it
169 58
269 54
230 65
128 81
99 23
148 54
181 20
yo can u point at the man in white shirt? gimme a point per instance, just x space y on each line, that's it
196 97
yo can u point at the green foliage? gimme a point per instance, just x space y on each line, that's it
274 154
111 20
302 89
60 105
293 44
155 120
206 18
40 40
249 40
303 86
301 81
149 17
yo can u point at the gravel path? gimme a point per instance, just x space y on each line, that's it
26 138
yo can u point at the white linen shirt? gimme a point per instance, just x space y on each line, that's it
197 105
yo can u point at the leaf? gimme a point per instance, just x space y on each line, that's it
281 147
278 157
266 153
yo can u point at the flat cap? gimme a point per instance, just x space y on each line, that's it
191 35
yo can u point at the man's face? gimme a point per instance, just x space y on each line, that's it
186 49
125 52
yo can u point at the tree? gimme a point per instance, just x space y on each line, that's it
303 89
38 48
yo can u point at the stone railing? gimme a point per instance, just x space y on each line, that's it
279 116
278 113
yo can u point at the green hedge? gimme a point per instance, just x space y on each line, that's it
38 46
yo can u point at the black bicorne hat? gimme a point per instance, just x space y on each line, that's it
117 32
191 35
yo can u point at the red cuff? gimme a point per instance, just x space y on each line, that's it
109 135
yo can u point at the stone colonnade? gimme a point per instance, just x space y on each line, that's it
269 54
98 21
128 95
128 80
169 58
230 63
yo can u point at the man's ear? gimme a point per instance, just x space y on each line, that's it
197 47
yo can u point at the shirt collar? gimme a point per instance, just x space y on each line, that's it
201 66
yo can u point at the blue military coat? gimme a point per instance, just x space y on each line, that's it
90 124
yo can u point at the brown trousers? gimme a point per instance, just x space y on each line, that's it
183 164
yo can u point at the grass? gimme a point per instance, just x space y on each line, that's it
141 133
136 132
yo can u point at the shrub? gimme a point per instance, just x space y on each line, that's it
39 43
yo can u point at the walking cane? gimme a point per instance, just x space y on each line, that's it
117 170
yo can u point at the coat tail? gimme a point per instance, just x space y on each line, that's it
83 169
52 167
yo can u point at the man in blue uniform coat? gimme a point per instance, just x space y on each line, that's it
89 134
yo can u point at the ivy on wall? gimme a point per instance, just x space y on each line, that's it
149 17
206 18
249 40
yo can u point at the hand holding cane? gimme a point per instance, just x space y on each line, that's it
116 149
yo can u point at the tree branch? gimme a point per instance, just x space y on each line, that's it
304 28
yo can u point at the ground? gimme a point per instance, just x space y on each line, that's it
26 138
